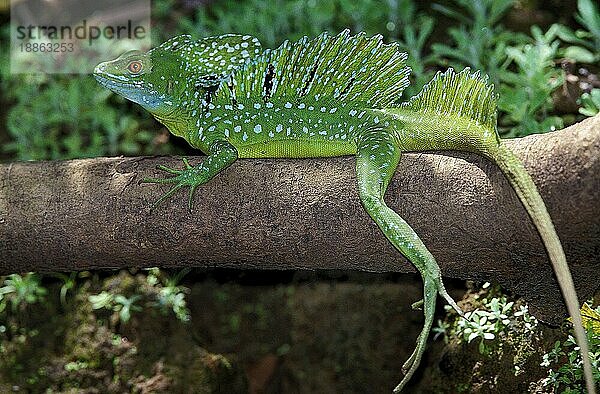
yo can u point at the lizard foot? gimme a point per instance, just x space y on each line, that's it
432 287
191 177
442 292
430 292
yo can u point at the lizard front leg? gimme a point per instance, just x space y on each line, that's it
377 158
222 155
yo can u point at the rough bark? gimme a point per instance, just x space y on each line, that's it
305 214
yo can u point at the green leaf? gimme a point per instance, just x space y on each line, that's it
472 336
590 103
579 54
102 300
589 16
566 34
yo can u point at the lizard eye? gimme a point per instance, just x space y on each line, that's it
134 67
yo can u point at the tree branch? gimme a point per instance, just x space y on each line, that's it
305 214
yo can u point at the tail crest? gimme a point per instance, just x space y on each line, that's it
464 94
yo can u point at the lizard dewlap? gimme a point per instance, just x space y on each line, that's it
329 96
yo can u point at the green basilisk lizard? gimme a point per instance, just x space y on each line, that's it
329 96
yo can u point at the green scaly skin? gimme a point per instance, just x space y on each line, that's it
330 96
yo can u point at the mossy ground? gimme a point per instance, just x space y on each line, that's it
306 337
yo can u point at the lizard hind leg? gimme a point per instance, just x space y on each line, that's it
377 158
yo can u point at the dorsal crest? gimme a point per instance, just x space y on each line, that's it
213 59
342 68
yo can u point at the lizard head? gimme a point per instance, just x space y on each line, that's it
174 76
139 77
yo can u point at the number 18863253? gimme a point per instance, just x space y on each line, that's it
46 47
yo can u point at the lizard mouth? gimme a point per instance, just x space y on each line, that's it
102 80
122 85
111 81
118 83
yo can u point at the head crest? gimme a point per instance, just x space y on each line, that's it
211 60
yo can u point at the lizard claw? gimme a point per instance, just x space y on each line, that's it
187 177
168 169
432 287
166 195
417 306
159 180
187 164
191 197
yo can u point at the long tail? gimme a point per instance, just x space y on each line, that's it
520 180
457 111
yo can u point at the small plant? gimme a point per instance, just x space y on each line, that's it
171 295
479 41
159 291
117 303
19 291
102 300
590 103
525 95
564 363
496 322
485 324
68 283
126 305
586 48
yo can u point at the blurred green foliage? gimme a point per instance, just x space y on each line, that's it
526 93
586 41
78 121
478 41
50 117
275 21
590 103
